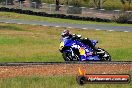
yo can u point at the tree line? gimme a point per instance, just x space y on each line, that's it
98 4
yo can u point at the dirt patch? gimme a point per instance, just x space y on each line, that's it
63 69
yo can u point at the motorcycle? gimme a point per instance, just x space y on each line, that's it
77 49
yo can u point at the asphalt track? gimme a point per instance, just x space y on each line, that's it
57 63
81 26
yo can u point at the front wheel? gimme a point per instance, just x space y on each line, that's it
69 57
104 55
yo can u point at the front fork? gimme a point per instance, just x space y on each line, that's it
72 52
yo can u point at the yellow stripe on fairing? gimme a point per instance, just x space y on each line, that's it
82 51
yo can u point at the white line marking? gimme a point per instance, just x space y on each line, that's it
110 30
126 31
84 28
19 23
7 22
97 29
57 26
69 27
44 25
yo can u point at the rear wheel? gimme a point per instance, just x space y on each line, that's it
104 55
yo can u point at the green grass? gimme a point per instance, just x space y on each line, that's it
10 15
27 43
52 82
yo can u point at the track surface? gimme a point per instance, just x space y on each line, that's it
51 69
54 63
82 26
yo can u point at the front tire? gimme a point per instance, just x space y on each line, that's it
67 56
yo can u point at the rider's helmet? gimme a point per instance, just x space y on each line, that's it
65 33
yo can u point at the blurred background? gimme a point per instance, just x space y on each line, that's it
110 9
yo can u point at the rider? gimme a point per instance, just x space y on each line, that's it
66 34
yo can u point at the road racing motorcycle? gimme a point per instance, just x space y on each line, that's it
73 49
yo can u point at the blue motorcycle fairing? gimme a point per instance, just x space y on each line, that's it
77 44
94 42
72 43
92 58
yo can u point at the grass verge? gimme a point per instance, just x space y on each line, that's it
52 82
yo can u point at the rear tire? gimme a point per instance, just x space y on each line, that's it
105 56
